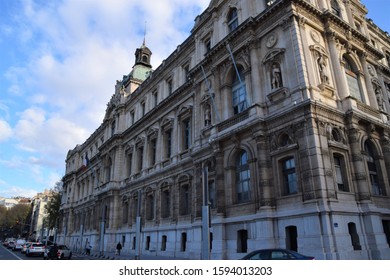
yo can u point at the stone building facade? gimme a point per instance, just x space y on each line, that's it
281 108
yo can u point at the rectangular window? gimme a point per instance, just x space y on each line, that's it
170 87
143 108
183 246
140 158
165 204
242 241
168 143
341 181
207 45
129 164
239 97
289 176
163 243
132 117
153 151
113 126
186 73
155 98
184 200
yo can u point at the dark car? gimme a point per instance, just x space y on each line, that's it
276 254
57 252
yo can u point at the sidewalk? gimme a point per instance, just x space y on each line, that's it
122 256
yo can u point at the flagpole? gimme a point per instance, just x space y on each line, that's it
235 67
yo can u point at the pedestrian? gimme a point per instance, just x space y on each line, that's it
118 248
88 248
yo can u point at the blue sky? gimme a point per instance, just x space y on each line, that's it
59 62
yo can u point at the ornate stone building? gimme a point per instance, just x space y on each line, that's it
284 102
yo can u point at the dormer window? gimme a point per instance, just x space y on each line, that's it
232 19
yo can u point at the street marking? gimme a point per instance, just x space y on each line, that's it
15 255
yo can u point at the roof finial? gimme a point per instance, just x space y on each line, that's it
143 44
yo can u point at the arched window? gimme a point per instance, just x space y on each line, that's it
242 177
239 91
373 169
352 76
232 19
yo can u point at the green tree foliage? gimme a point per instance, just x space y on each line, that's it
52 208
3 214
15 218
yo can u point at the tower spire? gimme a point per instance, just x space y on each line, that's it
144 42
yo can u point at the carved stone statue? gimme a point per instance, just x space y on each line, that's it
276 76
379 97
322 67
207 115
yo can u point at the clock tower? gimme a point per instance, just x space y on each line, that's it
141 70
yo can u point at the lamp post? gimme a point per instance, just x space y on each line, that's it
205 217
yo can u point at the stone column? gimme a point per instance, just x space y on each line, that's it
370 90
385 143
257 97
220 187
342 88
349 12
266 196
358 171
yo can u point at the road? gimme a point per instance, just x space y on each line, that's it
7 254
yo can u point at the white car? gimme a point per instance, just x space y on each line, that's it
35 249
19 245
24 247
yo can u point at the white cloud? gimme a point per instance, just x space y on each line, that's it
74 51
50 137
5 131
14 191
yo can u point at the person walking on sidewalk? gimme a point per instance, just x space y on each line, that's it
88 248
118 248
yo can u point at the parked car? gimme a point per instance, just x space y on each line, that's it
7 241
48 254
35 249
19 244
64 252
61 252
24 247
11 245
276 254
